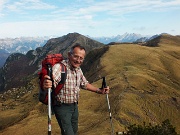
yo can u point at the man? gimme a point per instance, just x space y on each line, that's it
66 109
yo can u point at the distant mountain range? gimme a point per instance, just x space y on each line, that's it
126 37
24 44
19 45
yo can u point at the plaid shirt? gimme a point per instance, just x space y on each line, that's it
74 81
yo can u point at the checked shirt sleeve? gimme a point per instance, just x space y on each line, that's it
83 82
56 74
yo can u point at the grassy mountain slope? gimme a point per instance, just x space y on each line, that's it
144 85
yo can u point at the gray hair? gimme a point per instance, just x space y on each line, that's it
77 45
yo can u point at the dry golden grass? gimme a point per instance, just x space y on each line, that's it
144 85
148 86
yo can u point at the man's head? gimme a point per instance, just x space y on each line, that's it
76 55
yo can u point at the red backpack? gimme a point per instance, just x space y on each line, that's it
51 60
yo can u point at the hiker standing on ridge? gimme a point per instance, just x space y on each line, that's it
66 108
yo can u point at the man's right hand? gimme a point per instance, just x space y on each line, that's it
47 82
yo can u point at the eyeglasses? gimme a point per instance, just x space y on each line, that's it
77 57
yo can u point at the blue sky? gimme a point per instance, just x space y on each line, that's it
95 18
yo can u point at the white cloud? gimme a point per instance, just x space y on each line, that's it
2 2
1 15
23 5
36 28
113 8
60 16
124 6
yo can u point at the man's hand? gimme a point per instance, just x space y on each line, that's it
47 82
97 90
104 90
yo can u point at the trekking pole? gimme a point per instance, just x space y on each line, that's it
49 101
109 107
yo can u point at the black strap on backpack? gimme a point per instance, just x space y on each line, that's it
55 91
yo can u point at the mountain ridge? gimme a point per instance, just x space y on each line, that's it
25 44
21 65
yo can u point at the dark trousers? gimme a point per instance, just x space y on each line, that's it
67 117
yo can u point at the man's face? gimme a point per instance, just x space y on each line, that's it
76 58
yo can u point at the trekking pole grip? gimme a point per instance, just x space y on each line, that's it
49 70
104 83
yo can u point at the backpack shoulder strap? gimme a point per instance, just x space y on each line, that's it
63 74
63 79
